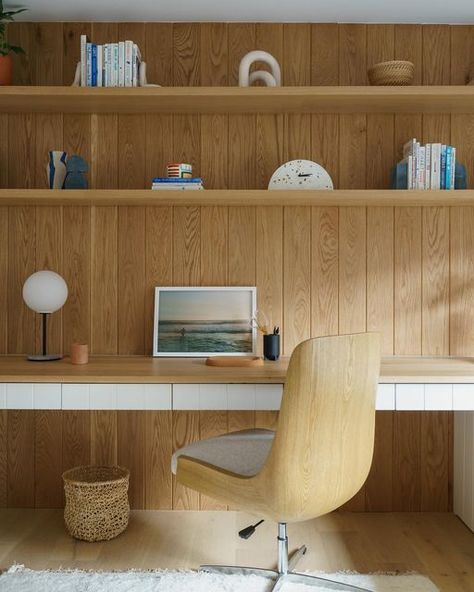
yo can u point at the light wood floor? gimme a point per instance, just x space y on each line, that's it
437 545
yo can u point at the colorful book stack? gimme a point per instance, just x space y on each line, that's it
431 166
111 64
175 183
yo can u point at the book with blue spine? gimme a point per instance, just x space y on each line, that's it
449 164
176 180
443 167
89 64
84 41
94 65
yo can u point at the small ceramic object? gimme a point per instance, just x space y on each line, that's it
272 78
75 169
300 174
181 170
56 168
79 353
271 346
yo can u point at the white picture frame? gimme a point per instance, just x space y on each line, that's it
181 336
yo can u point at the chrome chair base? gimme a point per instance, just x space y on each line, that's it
285 571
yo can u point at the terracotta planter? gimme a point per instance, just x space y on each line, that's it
6 69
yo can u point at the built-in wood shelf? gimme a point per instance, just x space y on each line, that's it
306 99
234 197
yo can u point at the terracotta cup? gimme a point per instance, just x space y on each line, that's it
6 68
79 353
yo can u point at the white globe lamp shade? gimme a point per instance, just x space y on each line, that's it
45 291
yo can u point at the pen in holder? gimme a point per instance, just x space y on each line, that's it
271 345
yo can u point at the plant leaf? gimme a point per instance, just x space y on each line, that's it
16 49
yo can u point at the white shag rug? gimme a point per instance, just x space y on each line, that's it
20 579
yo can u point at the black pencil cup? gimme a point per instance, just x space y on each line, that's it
271 347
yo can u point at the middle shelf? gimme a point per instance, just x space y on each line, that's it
234 197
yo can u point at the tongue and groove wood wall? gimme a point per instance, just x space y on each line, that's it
405 271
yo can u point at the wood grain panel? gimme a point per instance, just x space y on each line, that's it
77 138
379 484
325 144
103 437
104 280
269 147
49 53
214 155
409 46
21 459
380 272
324 271
242 153
187 141
158 452
24 65
297 55
352 149
436 54
4 267
185 431
462 52
159 145
186 54
186 246
76 444
297 277
131 161
21 264
407 281
324 54
4 150
407 462
3 458
214 240
435 464
131 428
71 46
22 150
241 40
352 54
76 251
266 419
212 424
131 275
48 459
159 49
214 53
49 136
104 152
242 246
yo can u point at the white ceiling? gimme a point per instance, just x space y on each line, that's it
319 11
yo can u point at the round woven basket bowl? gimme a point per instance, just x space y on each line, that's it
97 507
393 73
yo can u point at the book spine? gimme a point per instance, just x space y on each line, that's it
94 65
89 64
428 166
421 167
435 165
447 183
128 62
172 180
116 64
409 159
109 64
442 172
83 60
134 65
453 168
100 65
121 81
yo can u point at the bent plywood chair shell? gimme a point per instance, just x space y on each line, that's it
323 446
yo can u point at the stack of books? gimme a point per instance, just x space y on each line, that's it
111 64
431 166
175 183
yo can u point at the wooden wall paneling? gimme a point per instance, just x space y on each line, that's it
104 437
49 54
77 138
48 252
186 246
353 289
379 484
352 54
269 147
187 141
186 54
407 281
185 431
269 263
462 130
48 459
77 272
352 151
462 53
214 151
158 452
266 419
4 151
296 276
380 270
21 264
24 65
71 41
131 280
21 458
3 458
269 37
435 281
407 461
436 54
214 241
211 424
158 261
241 420
324 271
325 144
241 40
131 428
409 46
159 145
242 246
214 53
435 461
324 54
242 155
104 280
461 284
159 52
49 136
22 150
4 271
76 443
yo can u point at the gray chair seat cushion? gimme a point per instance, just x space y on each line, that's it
243 452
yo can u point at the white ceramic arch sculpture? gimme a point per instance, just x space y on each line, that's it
272 78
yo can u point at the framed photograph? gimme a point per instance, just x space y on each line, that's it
204 321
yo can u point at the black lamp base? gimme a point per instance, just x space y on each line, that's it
44 358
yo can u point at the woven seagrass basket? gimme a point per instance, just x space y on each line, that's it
393 73
97 507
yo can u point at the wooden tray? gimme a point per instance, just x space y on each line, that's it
234 361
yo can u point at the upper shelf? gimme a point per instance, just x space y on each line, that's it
234 197
287 99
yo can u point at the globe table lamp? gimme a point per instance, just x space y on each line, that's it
45 292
